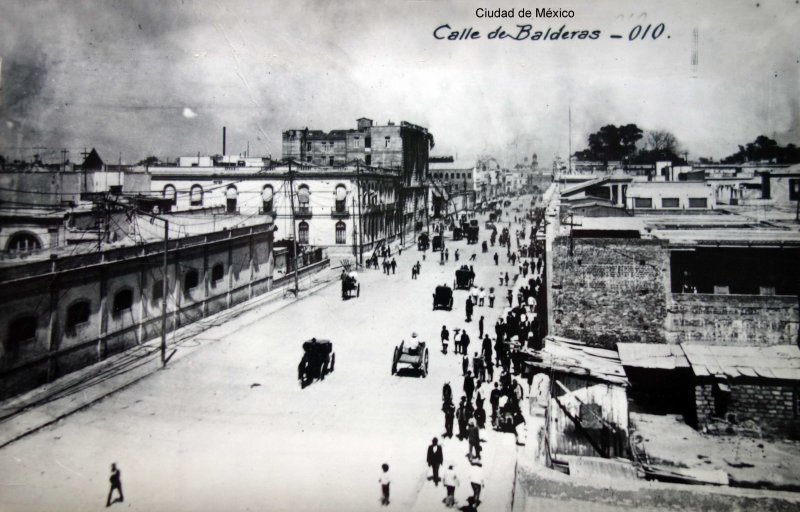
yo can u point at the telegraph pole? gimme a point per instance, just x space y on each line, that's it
294 228
360 212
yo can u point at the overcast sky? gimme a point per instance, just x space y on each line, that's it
162 78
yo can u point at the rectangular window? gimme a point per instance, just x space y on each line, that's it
367 142
356 142
670 202
308 146
642 202
698 202
794 189
386 141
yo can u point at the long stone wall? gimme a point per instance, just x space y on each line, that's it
732 319
609 291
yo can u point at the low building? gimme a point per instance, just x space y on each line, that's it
670 195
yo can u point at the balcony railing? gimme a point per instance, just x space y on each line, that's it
303 212
340 214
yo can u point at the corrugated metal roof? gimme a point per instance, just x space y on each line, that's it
575 357
651 355
775 362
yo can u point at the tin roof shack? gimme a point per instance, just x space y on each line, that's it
661 379
750 389
587 415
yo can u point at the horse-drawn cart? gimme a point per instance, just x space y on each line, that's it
318 360
464 278
423 241
443 298
350 285
413 355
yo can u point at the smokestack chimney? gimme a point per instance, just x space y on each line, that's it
223 141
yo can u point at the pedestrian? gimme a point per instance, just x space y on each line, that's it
489 370
441 257
449 411
496 259
464 365
480 327
476 480
487 348
435 459
465 342
506 277
469 310
385 480
445 339
447 254
510 297
469 385
394 265
414 272
501 279
494 401
491 297
116 484
455 255
481 297
474 439
461 417
450 480
470 506
477 367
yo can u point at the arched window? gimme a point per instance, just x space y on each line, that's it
21 330
123 301
266 196
303 196
196 195
77 314
217 273
190 280
341 199
23 242
230 198
341 233
170 193
302 232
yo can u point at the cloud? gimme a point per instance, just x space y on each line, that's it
189 113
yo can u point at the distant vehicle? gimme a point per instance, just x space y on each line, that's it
489 225
443 298
438 243
318 360
464 278
423 241
472 234
458 234
412 356
350 285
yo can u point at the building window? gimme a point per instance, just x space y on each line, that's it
670 202
190 280
266 198
158 290
308 146
217 273
302 232
196 195
386 141
341 233
77 314
356 142
698 202
22 330
23 242
368 159
308 159
170 193
303 196
231 194
794 189
330 160
341 199
642 202
123 301
367 142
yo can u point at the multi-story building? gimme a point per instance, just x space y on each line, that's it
404 148
452 187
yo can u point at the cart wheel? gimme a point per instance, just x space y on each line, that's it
394 361
358 290
333 362
425 364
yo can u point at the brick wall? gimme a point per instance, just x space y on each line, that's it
610 291
771 405
732 319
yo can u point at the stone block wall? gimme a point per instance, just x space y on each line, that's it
732 319
771 405
610 291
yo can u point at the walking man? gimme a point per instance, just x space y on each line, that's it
385 480
461 417
480 327
450 483
476 480
469 385
449 412
469 310
494 401
496 258
394 265
435 459
116 484
445 339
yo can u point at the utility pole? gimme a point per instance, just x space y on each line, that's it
360 213
355 230
294 228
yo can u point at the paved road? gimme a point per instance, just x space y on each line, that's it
229 428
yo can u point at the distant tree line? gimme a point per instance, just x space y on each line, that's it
630 144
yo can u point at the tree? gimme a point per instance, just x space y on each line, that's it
150 160
764 149
611 143
659 145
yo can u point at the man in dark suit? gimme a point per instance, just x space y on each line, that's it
435 459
